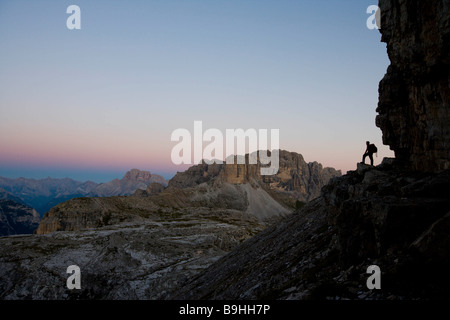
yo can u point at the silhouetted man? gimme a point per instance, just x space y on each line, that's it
370 150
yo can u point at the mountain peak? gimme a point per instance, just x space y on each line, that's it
137 175
295 180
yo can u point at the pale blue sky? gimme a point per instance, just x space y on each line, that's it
94 102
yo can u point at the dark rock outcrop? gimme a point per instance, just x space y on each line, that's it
414 103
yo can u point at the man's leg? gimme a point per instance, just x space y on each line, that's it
364 158
371 158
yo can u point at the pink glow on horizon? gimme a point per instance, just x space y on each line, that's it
51 150
64 147
107 157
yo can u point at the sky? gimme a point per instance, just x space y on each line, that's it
92 103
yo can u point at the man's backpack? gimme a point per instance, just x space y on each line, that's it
373 148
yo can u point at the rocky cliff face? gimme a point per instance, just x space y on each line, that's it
414 102
296 179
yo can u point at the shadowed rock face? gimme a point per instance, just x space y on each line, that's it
414 103
16 217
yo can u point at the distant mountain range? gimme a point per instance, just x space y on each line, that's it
233 189
43 194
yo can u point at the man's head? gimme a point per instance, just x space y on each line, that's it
367 142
